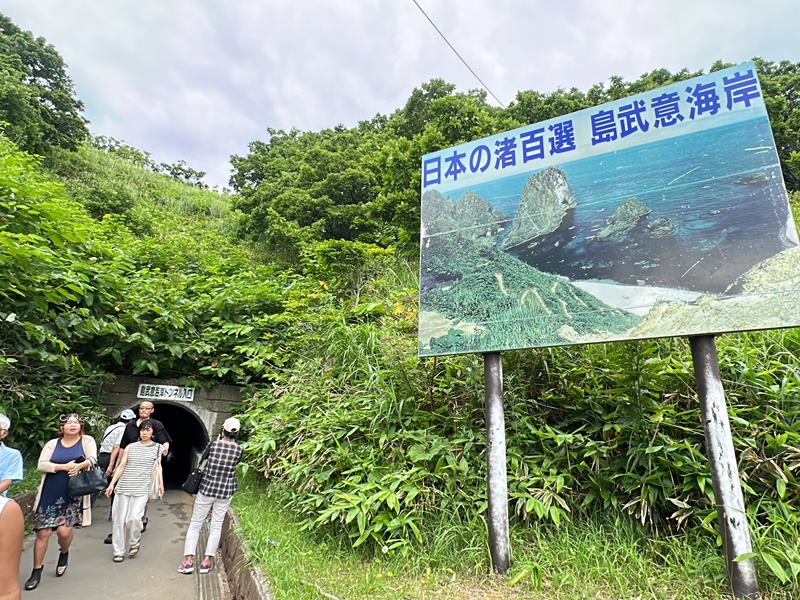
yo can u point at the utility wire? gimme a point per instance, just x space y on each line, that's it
458 55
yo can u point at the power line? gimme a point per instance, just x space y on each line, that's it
486 87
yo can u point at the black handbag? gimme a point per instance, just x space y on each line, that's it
89 481
192 483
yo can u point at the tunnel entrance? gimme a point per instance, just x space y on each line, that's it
188 435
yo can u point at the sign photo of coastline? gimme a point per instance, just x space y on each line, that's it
658 215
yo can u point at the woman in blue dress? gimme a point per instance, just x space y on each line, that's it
61 458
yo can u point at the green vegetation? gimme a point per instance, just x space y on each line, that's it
601 556
304 288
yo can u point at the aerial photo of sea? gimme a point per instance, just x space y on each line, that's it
721 192
712 247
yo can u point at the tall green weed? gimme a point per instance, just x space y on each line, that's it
364 441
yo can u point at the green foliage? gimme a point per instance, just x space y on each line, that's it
180 299
369 443
599 556
323 182
352 446
37 97
179 171
349 266
60 280
59 284
780 83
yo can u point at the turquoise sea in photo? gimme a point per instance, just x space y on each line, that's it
721 190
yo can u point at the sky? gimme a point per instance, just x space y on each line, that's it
198 80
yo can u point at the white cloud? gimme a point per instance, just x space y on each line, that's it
199 79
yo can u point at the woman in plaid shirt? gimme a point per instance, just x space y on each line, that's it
216 489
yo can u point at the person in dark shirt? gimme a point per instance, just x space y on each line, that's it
131 433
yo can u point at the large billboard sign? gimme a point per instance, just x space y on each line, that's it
661 214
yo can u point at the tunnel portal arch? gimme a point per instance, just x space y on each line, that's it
189 437
191 423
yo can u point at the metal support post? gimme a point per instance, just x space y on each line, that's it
496 477
724 469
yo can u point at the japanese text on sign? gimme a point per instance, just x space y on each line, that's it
639 116
148 391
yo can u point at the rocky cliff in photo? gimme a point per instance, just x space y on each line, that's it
544 202
472 217
624 219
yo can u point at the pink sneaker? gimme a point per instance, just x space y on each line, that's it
186 567
206 565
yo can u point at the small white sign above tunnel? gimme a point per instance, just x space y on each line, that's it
150 391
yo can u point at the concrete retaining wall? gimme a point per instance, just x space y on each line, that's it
25 502
244 581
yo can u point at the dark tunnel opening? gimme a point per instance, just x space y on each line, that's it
188 436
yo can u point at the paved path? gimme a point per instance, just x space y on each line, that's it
92 575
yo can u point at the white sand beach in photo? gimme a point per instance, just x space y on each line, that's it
636 299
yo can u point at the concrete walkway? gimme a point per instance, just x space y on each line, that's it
92 575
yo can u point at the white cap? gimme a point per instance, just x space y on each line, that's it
127 415
5 422
231 424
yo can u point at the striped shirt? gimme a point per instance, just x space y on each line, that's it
135 479
219 475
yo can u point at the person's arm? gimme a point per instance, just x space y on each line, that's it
206 452
113 460
90 456
127 438
160 476
14 472
116 440
12 532
162 437
45 465
89 450
117 472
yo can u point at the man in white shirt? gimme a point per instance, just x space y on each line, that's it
109 450
109 447
10 459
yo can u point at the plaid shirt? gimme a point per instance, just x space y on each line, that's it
219 474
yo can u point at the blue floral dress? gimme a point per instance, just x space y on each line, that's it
56 507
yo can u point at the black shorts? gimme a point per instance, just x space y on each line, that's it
104 459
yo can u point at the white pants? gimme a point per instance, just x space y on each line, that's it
202 504
128 512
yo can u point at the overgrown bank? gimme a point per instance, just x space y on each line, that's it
304 287
607 556
389 451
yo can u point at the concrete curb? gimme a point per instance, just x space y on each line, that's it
244 580
25 502
213 586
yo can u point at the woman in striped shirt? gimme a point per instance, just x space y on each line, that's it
131 488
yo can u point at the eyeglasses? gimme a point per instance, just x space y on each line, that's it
64 418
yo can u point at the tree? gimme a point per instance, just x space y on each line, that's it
322 182
780 84
37 97
411 119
